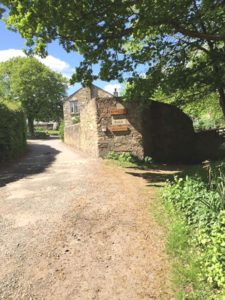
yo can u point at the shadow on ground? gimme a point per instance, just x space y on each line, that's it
38 158
157 175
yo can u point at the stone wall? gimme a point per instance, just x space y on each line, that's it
168 133
66 114
127 141
83 135
72 135
158 130
83 95
88 128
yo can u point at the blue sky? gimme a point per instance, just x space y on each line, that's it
12 45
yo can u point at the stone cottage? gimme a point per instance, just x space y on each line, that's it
97 122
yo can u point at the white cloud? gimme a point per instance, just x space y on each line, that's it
111 87
10 53
56 64
50 61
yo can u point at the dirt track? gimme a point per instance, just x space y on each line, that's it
72 227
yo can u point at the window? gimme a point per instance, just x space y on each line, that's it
74 107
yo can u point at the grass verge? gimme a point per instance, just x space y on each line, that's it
194 210
186 270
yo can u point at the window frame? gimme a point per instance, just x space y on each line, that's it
74 107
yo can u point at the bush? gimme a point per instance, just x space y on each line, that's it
12 131
40 131
127 159
203 206
61 130
121 157
148 160
213 255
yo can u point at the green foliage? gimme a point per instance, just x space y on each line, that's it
174 44
12 131
202 204
76 119
126 159
112 155
204 124
46 131
40 135
213 261
39 90
204 109
121 157
148 160
185 267
61 130
185 273
53 132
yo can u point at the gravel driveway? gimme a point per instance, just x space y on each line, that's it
72 227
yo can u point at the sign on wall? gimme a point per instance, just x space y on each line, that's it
118 111
119 120
119 128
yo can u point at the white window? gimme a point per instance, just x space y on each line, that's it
74 107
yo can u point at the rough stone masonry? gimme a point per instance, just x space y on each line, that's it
105 124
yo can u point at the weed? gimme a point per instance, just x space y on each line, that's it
148 160
76 119
123 158
127 159
202 231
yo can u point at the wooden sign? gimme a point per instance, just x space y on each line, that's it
119 128
119 120
118 111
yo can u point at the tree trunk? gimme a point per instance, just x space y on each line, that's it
31 126
222 99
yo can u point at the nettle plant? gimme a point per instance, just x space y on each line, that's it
202 203
121 156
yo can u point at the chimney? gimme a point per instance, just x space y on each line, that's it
115 93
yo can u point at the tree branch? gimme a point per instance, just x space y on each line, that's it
199 35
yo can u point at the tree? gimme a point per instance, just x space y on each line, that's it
39 89
128 38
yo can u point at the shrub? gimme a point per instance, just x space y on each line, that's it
61 130
12 131
204 124
203 206
121 157
39 131
128 159
112 155
213 251
148 160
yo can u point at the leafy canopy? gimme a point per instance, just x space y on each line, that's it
121 35
39 89
171 45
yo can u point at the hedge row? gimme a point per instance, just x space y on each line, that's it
12 132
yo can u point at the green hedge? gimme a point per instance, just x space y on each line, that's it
12 132
61 130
